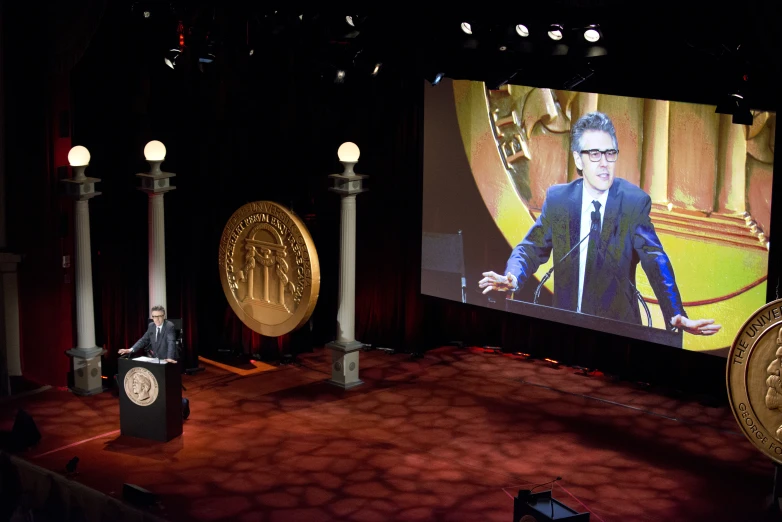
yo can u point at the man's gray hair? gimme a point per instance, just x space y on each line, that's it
158 308
596 121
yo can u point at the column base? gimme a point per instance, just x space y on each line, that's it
344 364
87 374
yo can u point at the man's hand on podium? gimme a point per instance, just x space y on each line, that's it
172 361
123 351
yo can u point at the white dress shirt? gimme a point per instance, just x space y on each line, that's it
586 222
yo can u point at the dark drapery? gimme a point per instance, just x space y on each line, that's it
240 132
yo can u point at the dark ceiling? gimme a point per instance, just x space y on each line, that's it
687 51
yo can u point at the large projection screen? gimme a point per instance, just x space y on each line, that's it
490 157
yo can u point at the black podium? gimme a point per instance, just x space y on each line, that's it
540 507
150 399
601 324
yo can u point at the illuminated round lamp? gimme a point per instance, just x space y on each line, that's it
592 34
555 32
522 30
155 151
348 152
466 28
79 156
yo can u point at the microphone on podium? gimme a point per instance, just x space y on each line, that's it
547 275
594 227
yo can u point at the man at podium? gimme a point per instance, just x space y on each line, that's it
159 340
597 277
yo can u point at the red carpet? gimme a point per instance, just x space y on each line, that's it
449 437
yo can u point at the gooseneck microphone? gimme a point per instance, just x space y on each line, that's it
594 227
547 275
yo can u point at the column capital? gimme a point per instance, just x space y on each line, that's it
347 185
158 183
82 188
8 261
85 353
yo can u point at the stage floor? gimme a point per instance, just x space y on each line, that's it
452 436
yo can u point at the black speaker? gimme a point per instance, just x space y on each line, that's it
138 495
25 433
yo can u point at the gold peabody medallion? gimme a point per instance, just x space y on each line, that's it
141 387
269 268
754 381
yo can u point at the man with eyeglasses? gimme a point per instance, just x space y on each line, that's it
159 339
599 277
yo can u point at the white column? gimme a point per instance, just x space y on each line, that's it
156 183
345 350
86 356
346 314
85 313
157 252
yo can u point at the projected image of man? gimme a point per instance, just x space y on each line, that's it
611 216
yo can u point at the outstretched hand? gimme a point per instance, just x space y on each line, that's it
494 281
695 326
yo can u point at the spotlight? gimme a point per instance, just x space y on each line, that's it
171 57
356 23
208 56
736 105
522 30
339 77
434 79
466 28
367 63
555 32
592 34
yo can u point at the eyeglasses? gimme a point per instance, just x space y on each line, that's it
158 316
595 155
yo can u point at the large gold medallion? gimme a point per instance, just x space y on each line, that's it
269 268
754 380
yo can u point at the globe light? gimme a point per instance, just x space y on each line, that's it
348 152
79 156
155 151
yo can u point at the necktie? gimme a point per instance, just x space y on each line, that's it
157 332
587 295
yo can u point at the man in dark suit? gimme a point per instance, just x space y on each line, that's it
159 339
598 277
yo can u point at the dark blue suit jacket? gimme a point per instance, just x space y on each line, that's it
627 237
164 347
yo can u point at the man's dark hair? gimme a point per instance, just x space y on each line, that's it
596 121
158 308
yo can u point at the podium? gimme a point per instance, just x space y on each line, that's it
541 507
601 324
150 399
